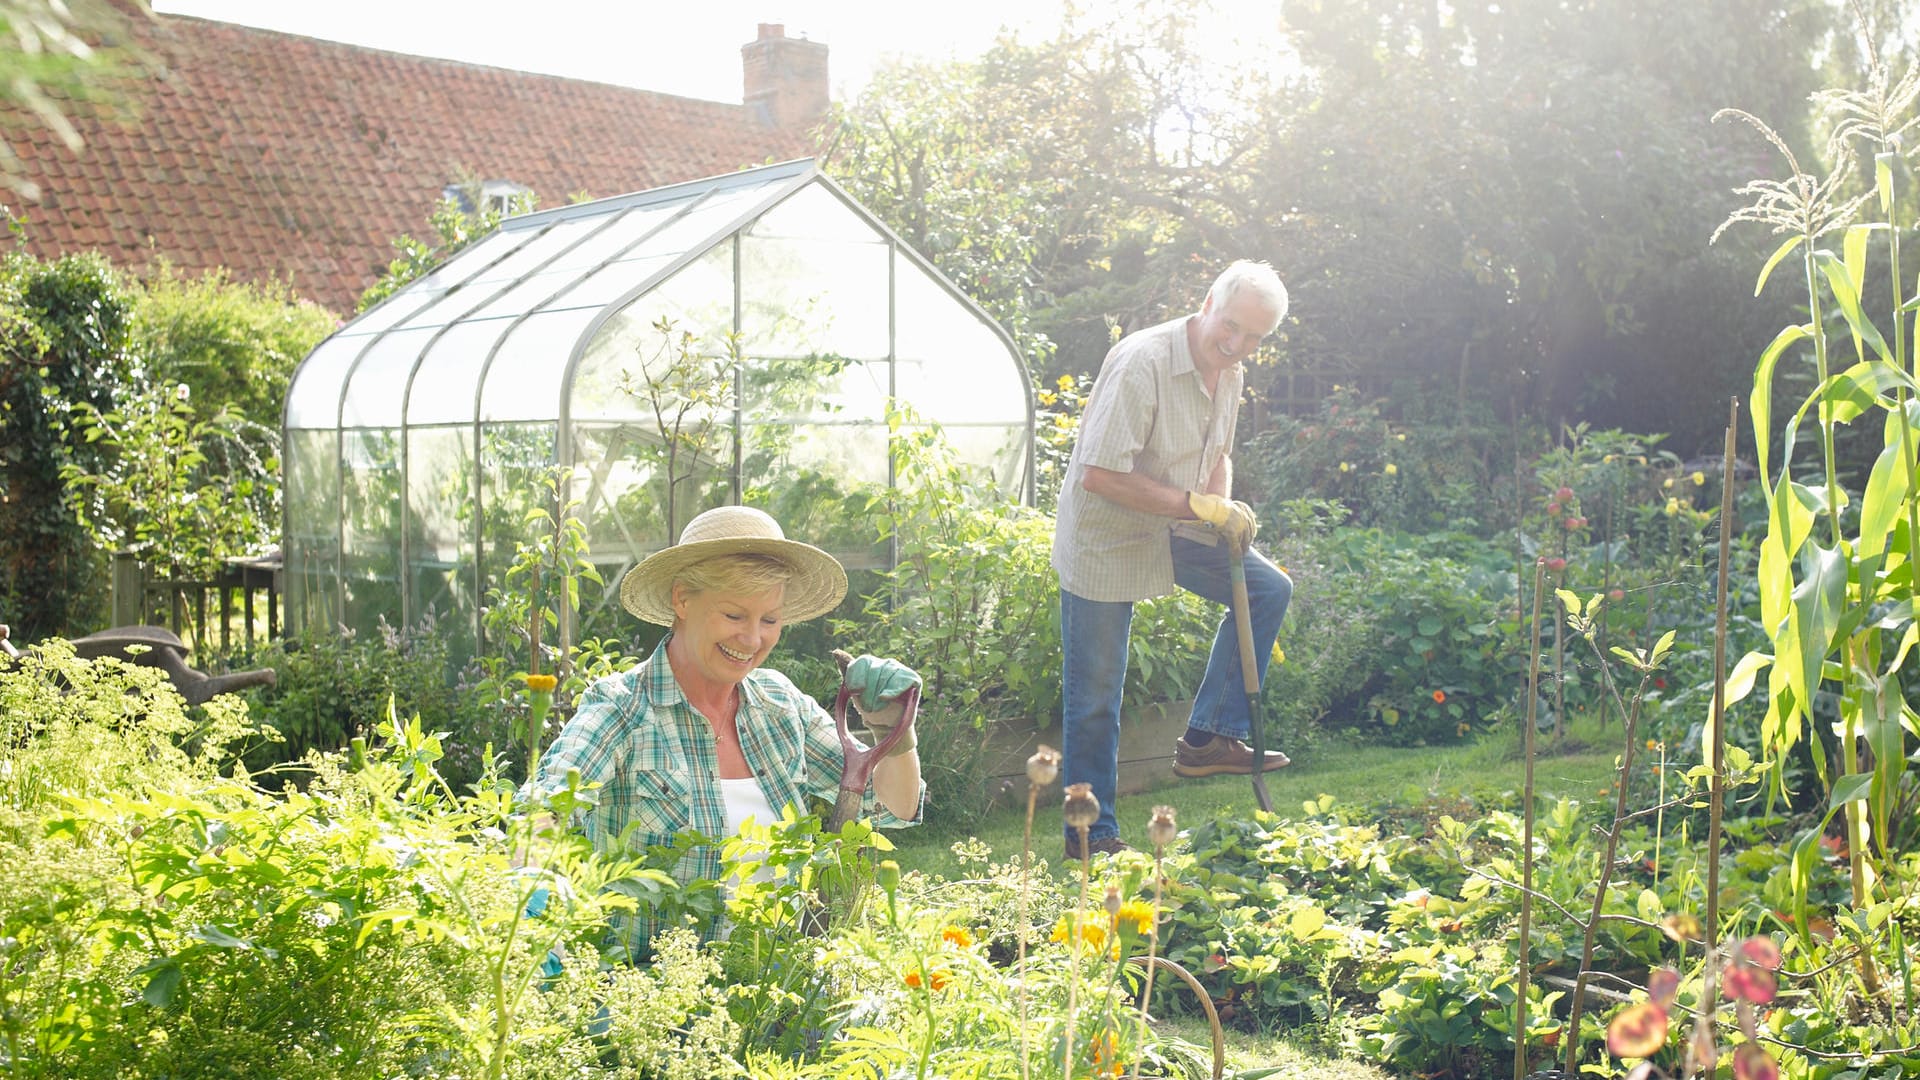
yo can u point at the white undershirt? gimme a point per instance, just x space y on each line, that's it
744 799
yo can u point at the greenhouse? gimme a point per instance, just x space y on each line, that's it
746 338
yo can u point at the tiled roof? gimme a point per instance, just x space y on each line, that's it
277 155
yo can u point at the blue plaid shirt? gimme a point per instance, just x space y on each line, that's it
658 766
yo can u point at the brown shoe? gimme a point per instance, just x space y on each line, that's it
1106 845
1222 755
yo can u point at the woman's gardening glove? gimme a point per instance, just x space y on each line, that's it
1234 519
877 685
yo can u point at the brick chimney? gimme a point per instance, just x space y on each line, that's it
785 78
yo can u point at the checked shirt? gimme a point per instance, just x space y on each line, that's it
658 767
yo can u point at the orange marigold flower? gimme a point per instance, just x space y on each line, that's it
1440 697
935 978
1105 1056
957 937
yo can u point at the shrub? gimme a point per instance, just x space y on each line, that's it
333 688
64 340
1398 637
1415 468
233 344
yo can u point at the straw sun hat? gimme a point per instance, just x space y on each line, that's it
816 586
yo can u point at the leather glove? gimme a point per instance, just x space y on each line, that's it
877 684
1232 518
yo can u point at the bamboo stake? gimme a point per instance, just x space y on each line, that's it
1526 838
1717 754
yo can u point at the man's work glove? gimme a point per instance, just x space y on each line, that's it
1233 519
877 685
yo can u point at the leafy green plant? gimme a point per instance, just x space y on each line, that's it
1828 572
189 491
333 688
64 340
234 344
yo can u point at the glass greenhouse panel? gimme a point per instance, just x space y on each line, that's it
817 389
377 386
370 527
514 460
313 401
440 506
418 294
525 376
802 298
585 261
953 367
312 543
616 281
446 389
697 299
548 244
625 472
999 450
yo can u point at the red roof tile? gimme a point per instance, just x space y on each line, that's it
282 156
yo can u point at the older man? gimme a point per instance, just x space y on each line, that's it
1154 451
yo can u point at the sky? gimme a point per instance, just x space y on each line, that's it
686 47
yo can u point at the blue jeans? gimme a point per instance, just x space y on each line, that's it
1094 666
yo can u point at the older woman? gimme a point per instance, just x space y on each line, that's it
701 736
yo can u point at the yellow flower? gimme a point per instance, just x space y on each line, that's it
542 682
1047 398
1699 478
1668 484
1092 934
1392 469
1139 913
1346 466
1065 382
957 936
1608 460
1653 744
1402 436
1673 506
1279 654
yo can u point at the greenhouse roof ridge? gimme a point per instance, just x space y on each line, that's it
797 168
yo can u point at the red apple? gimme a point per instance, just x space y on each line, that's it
1565 494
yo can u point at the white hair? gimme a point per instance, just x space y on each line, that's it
1256 276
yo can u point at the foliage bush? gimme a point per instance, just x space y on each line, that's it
65 339
333 688
1393 637
1407 465
233 344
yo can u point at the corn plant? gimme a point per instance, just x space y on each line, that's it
1836 567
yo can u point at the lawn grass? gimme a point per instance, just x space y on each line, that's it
1354 776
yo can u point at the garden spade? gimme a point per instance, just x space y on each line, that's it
1243 629
1249 669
